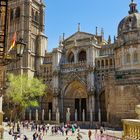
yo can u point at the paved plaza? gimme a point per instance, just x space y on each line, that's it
49 136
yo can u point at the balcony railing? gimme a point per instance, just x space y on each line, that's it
131 129
80 66
105 67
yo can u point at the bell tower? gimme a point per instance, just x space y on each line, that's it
26 18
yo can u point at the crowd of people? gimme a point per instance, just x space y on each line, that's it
40 130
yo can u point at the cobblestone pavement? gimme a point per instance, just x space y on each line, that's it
83 133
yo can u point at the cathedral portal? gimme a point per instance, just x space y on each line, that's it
76 98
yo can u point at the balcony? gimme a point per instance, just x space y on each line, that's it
80 66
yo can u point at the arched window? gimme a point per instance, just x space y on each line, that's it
82 56
102 63
128 58
36 16
106 62
11 14
71 57
111 62
98 64
135 56
33 15
17 13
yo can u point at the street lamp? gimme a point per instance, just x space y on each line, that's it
20 46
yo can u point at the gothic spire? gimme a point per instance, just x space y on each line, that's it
102 32
79 28
133 7
109 39
96 30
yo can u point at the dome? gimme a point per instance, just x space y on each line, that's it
130 22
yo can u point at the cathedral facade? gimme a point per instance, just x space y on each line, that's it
95 77
87 76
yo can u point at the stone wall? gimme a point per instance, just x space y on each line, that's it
121 100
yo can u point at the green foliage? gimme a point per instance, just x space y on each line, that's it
25 91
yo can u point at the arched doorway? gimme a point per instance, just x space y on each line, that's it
75 98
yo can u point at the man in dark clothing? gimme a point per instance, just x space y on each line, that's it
35 135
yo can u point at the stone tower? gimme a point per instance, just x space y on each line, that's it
26 18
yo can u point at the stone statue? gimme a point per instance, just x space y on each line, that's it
68 115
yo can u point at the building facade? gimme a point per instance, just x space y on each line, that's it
96 79
86 76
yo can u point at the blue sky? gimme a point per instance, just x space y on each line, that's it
62 16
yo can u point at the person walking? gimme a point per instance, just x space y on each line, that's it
89 134
35 135
40 137
73 129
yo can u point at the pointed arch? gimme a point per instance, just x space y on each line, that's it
127 58
36 16
17 13
135 57
70 57
82 56
75 89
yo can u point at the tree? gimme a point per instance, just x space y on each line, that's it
24 92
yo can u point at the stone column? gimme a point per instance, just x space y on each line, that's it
50 115
36 116
57 116
99 115
0 103
42 114
83 115
93 106
138 111
76 115
91 116
75 56
80 117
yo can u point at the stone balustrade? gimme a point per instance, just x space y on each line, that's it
131 129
